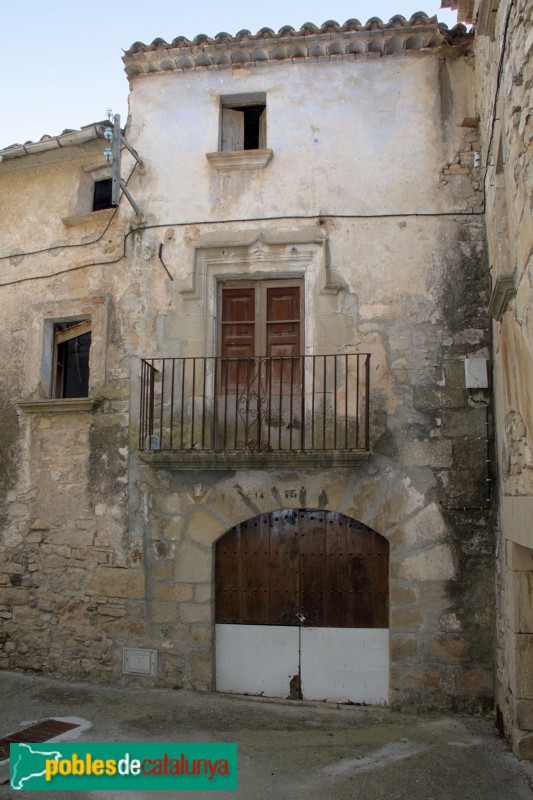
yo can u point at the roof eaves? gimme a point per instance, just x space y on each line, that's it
330 41
68 138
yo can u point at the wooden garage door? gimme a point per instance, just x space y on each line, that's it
329 568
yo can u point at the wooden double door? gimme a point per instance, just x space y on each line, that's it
260 381
303 594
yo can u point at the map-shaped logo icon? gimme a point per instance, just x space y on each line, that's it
30 762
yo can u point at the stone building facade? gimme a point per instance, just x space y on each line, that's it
276 344
504 80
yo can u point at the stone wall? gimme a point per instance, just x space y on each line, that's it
381 218
504 79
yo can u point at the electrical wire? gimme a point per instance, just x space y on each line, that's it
307 217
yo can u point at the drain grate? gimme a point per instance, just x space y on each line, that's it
40 732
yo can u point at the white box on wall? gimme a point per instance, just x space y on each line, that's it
476 373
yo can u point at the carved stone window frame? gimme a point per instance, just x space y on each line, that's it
258 257
40 349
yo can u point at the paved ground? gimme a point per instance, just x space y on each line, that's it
287 749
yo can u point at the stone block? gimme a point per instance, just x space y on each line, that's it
163 612
111 610
136 609
409 619
525 235
426 526
478 679
470 423
402 595
428 453
432 563
121 628
204 528
21 662
202 671
394 501
172 669
447 650
454 373
115 582
10 568
523 744
14 596
467 487
470 455
414 676
35 537
518 557
162 570
194 564
403 648
69 537
522 674
449 623
41 525
202 634
203 593
18 510
524 714
427 399
178 592
380 311
167 528
171 503
195 612
49 601
522 588
163 550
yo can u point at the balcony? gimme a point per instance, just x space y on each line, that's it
275 411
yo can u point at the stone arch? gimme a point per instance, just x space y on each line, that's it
307 582
191 512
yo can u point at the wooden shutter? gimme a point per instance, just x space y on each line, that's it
238 337
238 322
232 129
283 321
283 333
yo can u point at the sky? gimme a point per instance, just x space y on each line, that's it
61 61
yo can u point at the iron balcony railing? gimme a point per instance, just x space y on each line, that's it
269 404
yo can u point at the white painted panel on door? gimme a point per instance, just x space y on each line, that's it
344 664
256 659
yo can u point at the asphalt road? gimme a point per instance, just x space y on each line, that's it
287 749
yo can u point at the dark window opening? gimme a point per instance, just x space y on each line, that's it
72 343
244 127
252 123
102 194
499 160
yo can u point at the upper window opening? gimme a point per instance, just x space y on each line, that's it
72 342
102 194
243 126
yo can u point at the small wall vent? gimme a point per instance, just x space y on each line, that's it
138 661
